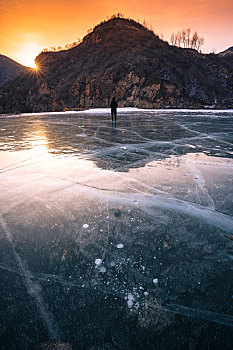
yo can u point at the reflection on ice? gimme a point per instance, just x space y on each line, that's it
112 237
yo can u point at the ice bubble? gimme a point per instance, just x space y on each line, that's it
130 303
103 269
130 296
120 245
130 300
112 263
98 262
85 225
155 280
145 293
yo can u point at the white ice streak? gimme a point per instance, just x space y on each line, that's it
226 320
200 183
32 287
209 316
149 203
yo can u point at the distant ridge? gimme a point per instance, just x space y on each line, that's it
9 69
122 58
228 51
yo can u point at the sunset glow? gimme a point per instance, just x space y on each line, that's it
28 27
27 54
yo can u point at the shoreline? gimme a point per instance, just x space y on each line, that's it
122 110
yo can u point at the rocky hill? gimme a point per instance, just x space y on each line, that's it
9 69
124 59
228 51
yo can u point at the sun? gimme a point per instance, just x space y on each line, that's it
28 53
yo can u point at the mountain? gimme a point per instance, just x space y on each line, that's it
9 69
228 51
121 58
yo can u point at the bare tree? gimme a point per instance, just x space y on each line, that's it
144 23
188 33
172 39
178 38
194 40
184 37
200 42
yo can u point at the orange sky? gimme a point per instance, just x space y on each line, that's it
28 26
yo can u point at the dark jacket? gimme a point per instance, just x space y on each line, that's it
113 105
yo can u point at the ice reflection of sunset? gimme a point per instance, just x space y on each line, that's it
37 139
39 143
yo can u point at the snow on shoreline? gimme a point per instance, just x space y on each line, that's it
122 111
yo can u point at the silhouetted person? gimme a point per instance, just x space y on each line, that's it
113 107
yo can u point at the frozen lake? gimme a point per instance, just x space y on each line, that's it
116 236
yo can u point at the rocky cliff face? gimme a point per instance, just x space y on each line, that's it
121 58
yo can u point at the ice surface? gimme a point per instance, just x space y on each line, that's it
76 190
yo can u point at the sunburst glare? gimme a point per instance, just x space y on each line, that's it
27 54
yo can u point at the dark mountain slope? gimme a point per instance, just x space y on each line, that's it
9 69
228 51
122 58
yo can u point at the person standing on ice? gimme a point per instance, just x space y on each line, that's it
113 107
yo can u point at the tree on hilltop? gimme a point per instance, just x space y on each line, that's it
183 38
